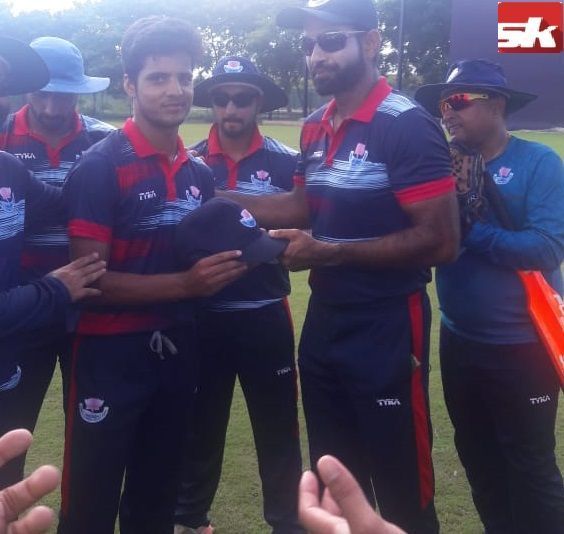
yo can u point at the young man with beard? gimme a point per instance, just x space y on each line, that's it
375 186
499 385
245 330
133 360
47 135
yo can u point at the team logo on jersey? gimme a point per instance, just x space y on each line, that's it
93 410
247 219
6 195
194 197
261 179
358 155
13 381
503 176
385 403
233 67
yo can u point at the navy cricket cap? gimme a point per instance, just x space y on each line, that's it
361 14
221 225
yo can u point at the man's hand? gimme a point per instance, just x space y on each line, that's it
303 251
15 499
211 274
79 274
343 508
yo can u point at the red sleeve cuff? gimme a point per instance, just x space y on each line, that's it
90 230
425 191
299 180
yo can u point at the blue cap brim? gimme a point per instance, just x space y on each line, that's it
263 249
89 84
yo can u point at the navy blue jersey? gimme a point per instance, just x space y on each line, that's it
267 167
23 199
388 154
125 193
46 246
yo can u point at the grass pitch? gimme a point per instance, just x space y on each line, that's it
238 505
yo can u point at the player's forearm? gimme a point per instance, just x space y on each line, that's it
136 289
410 248
279 210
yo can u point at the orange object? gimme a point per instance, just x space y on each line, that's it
546 309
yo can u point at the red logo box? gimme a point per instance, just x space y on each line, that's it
530 27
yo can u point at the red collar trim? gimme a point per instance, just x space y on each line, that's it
215 149
365 112
142 145
21 126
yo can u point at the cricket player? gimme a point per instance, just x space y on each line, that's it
26 307
133 362
246 329
375 185
47 135
500 389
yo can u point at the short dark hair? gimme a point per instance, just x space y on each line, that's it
158 36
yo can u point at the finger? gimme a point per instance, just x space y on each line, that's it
311 515
284 233
92 277
329 504
224 278
19 497
221 257
84 260
87 292
350 498
14 443
37 520
92 268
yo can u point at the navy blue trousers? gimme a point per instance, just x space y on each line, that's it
257 346
364 377
502 401
126 414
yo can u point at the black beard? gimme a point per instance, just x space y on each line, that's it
343 79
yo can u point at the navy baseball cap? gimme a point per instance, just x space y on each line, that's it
25 71
472 75
66 67
221 225
240 70
361 14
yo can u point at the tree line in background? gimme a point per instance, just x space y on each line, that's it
243 28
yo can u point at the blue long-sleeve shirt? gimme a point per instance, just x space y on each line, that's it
481 296
23 201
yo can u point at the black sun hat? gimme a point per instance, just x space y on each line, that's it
235 69
221 225
471 75
27 72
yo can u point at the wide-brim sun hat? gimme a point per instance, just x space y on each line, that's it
472 76
27 72
239 70
66 67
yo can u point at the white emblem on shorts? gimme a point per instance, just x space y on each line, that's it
384 403
13 381
93 410
540 400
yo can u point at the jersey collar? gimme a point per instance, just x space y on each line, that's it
142 145
215 149
365 112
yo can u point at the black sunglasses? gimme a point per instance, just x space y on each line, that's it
241 100
328 41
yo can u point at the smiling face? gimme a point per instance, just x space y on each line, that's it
162 93
236 120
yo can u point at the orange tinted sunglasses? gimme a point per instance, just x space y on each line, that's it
460 101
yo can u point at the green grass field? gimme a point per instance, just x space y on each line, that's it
238 505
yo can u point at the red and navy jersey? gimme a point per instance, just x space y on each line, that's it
46 247
23 200
390 153
267 167
125 193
